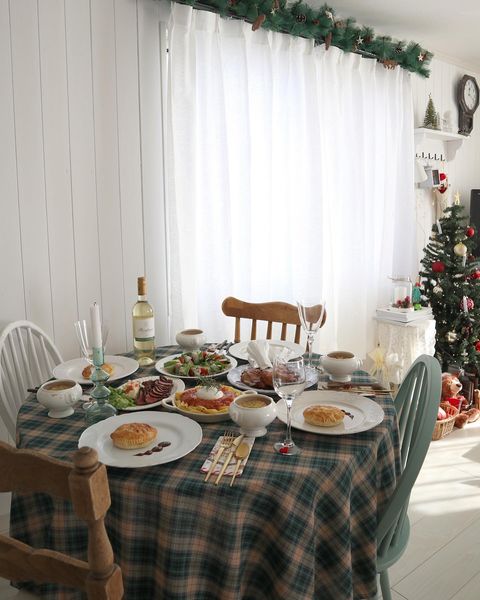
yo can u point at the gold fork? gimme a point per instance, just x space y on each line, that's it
227 441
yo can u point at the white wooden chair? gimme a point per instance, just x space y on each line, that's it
27 358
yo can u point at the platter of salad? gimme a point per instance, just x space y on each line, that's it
191 365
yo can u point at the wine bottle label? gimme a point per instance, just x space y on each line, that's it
144 329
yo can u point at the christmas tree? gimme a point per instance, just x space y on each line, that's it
431 119
452 285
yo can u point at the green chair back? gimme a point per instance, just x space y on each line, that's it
416 404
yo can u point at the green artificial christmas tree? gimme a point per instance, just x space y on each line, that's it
431 119
451 280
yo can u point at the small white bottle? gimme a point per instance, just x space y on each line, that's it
143 327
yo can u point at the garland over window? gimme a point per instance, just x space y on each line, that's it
321 24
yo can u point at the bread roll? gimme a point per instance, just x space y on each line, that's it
131 436
87 371
323 416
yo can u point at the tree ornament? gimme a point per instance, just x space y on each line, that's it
475 275
258 22
437 290
430 120
421 57
359 40
329 15
469 232
438 266
301 18
460 249
451 336
477 346
467 304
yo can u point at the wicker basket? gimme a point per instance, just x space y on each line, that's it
443 428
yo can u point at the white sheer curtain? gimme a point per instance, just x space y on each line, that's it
290 170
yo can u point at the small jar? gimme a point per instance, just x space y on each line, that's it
402 293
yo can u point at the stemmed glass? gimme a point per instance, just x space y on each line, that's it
311 318
99 408
288 382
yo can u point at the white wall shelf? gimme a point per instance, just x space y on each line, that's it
452 141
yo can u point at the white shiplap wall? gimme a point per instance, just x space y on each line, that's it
81 159
464 171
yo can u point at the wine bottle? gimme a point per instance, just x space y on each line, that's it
143 327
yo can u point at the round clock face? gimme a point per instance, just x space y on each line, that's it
470 94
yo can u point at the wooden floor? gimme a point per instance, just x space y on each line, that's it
442 561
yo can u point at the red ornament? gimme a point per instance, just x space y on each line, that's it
438 266
469 231
475 275
442 176
468 302
477 346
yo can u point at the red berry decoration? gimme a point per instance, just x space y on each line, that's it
477 346
469 231
284 449
438 266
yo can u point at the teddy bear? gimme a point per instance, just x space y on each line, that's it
451 388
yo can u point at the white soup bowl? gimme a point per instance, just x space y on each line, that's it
59 396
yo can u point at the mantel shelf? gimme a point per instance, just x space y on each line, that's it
453 141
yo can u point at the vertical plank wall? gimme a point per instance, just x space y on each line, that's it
80 164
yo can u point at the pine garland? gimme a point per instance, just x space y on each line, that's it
321 25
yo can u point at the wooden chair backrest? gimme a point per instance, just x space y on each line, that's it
27 358
85 484
271 312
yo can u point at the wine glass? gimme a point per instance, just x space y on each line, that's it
288 382
311 317
83 337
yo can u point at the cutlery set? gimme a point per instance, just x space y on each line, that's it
234 448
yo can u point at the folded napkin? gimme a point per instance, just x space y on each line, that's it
258 354
231 467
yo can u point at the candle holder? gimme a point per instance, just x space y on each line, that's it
100 408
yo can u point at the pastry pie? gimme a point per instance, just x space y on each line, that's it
323 415
130 436
87 371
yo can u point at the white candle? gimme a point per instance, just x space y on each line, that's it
96 326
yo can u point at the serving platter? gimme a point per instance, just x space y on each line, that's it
178 386
72 369
234 376
160 367
183 434
362 413
240 350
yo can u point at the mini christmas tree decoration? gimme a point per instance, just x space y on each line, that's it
452 286
431 119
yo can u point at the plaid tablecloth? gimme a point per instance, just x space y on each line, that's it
293 528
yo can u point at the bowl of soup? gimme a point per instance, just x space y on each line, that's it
59 396
253 412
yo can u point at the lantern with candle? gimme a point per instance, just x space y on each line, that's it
402 294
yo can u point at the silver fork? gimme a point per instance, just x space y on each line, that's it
227 441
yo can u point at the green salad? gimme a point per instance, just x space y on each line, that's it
119 399
193 364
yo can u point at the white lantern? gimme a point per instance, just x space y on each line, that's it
402 288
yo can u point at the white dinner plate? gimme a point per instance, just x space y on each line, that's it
183 434
162 361
235 374
72 369
240 350
178 386
365 413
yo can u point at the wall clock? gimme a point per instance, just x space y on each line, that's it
467 98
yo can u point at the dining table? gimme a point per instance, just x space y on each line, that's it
291 528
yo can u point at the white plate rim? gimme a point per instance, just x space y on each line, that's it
239 350
178 386
130 365
192 437
159 367
341 399
243 386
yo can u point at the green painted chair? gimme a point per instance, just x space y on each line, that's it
416 404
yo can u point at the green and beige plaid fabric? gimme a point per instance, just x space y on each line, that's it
293 528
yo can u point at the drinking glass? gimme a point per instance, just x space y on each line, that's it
99 408
311 317
288 382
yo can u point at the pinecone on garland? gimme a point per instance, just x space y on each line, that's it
301 19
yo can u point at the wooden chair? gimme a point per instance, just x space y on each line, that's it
27 358
271 312
416 403
85 483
